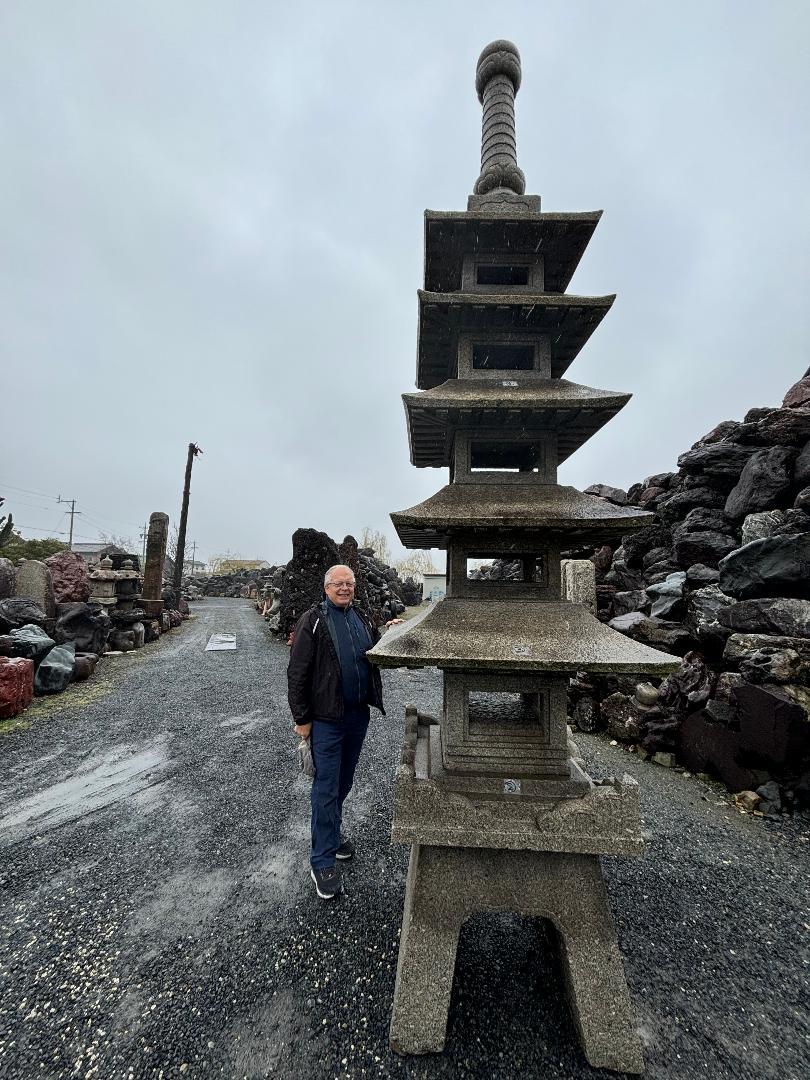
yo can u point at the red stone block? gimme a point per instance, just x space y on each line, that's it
16 685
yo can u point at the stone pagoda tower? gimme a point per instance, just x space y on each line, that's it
498 813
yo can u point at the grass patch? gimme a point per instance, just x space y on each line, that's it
15 723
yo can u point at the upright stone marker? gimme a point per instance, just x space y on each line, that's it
498 814
156 540
34 583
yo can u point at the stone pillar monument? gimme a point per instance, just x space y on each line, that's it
499 815
156 539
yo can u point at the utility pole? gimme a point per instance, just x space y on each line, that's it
144 531
73 511
193 450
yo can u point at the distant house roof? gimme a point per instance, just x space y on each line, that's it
94 552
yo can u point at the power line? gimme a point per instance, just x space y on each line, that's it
28 491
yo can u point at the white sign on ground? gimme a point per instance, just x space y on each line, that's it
221 642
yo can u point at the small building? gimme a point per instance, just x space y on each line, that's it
434 587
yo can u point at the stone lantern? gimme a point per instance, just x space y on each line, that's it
499 814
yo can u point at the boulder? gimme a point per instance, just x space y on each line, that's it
8 578
633 600
611 494
739 646
6 645
801 467
667 596
802 500
703 547
31 642
85 666
703 519
138 634
69 574
689 687
621 575
774 665
702 607
123 640
34 583
706 746
798 694
798 394
718 459
675 506
313 553
699 575
626 624
622 717
16 685
55 672
769 615
763 484
585 714
773 566
16 612
758 526
601 559
86 625
666 636
657 556
725 431
786 427
773 727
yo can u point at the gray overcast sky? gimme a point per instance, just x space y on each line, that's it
211 228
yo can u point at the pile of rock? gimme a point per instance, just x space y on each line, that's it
722 579
57 618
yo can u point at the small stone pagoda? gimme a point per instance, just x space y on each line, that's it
499 814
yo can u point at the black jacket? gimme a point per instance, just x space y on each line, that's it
313 674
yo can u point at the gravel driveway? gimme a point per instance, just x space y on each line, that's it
157 918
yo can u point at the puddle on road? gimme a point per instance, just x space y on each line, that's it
102 780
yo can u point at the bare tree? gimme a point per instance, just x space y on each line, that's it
378 542
173 543
416 565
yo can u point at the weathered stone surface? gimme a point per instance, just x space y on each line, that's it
625 624
802 500
798 395
601 559
689 687
748 800
34 583
675 506
313 553
763 484
69 575
702 547
667 596
636 545
702 607
663 757
16 685
774 665
699 575
633 600
786 427
614 495
8 578
758 526
622 717
785 616
721 459
31 642
706 746
774 566
657 556
85 666
667 636
55 671
772 726
156 539
6 645
86 625
801 468
585 714
798 694
579 582
621 575
16 612
739 646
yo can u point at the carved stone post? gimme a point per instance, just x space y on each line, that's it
158 535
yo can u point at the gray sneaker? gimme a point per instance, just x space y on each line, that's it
327 881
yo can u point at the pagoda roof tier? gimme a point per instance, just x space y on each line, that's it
575 412
516 635
547 510
569 320
560 238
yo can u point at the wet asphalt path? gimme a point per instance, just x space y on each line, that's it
157 919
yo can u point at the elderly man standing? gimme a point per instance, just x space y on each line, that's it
330 688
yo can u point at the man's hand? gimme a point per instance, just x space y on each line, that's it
303 730
392 622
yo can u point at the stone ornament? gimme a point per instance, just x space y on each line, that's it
493 798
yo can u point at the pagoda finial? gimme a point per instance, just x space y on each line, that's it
497 80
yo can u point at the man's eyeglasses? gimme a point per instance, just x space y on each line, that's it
340 585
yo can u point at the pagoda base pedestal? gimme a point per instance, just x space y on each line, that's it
446 885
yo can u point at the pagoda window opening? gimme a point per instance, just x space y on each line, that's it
506 457
506 569
501 275
502 356
489 712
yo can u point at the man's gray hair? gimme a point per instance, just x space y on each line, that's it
327 577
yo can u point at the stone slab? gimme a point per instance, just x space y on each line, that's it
221 643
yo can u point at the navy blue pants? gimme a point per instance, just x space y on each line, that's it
335 748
